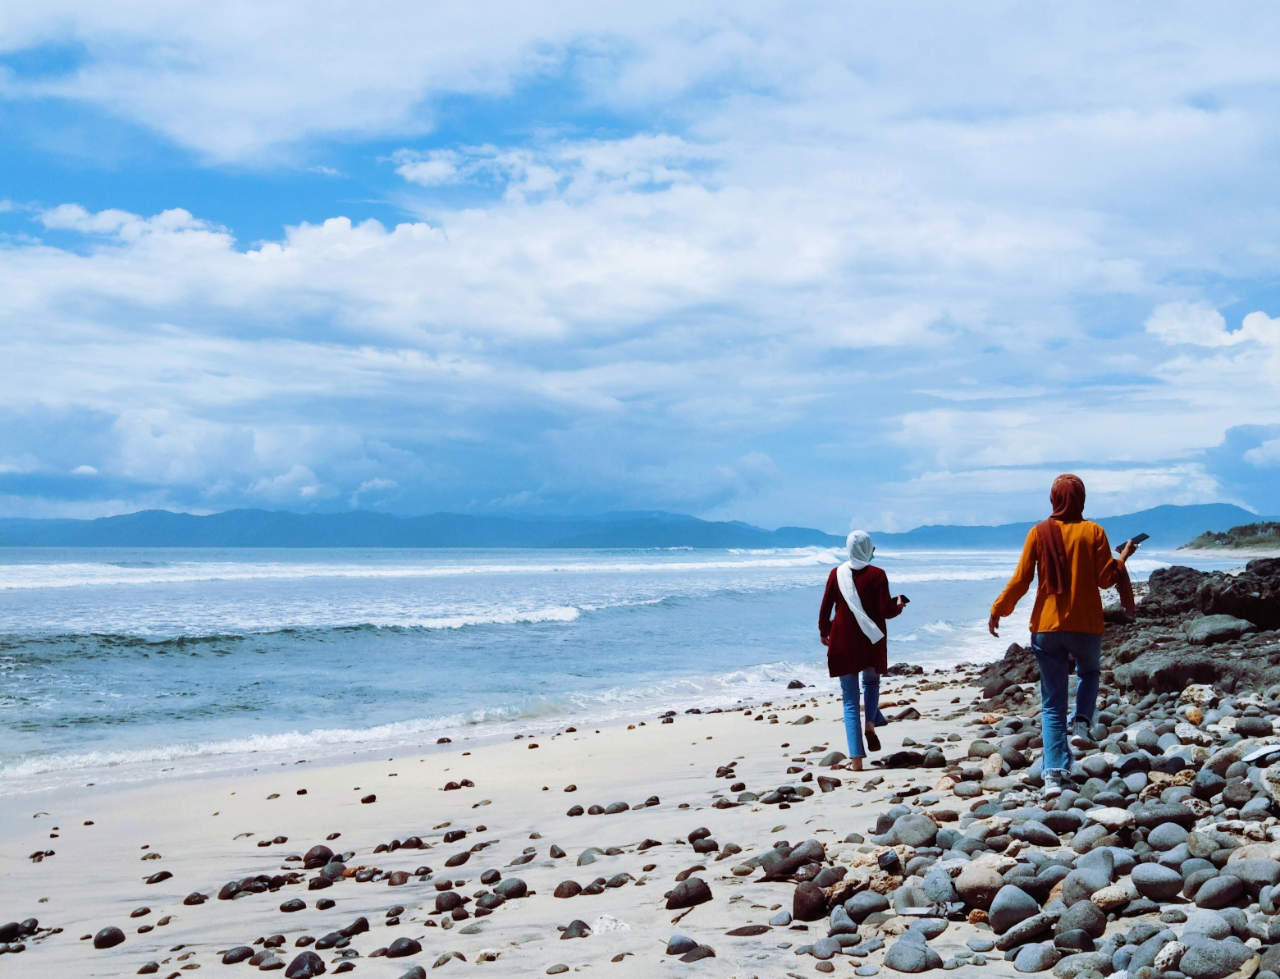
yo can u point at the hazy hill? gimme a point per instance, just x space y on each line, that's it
1169 527
360 528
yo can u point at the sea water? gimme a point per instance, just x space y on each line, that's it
133 663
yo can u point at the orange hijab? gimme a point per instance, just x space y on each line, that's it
1067 498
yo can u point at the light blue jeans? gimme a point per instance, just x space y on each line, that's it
850 688
1054 652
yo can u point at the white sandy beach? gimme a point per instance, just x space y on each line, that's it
206 832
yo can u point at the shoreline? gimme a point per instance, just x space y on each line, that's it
95 877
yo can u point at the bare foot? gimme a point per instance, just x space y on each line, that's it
855 764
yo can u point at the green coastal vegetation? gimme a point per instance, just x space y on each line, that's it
1266 534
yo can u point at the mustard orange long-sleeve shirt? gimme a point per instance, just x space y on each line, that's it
1079 609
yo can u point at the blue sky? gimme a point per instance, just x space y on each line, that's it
881 263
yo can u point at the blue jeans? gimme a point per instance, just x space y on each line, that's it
851 689
1054 650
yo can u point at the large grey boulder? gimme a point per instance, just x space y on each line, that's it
1213 629
915 830
1010 905
1156 882
911 954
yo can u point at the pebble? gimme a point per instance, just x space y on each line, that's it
108 937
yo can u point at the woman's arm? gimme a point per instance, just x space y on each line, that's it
1018 584
828 603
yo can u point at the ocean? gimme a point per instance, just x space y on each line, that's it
130 664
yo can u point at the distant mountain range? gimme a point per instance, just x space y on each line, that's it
1169 527
361 528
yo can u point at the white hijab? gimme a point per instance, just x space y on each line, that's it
860 552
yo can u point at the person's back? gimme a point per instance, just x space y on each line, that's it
1072 559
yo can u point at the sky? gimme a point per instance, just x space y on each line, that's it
820 264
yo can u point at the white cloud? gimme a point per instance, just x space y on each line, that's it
1265 455
84 471
827 243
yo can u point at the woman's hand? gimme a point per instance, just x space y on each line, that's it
826 641
1126 552
993 624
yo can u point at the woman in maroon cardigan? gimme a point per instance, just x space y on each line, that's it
858 591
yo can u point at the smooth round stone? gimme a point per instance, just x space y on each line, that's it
1036 958
1080 885
977 885
866 970
1214 959
825 948
108 937
1085 916
1166 836
1034 832
781 919
1219 892
1135 781
980 944
679 944
915 830
1156 882
1207 923
912 956
865 903
1010 906
930 928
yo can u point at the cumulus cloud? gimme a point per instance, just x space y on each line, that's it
753 262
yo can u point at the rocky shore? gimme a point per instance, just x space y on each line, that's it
725 843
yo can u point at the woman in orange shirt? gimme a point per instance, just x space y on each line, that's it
1073 559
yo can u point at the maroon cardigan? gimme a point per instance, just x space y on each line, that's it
849 650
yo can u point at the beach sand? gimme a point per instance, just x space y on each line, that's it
206 832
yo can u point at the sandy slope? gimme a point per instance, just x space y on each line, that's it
199 825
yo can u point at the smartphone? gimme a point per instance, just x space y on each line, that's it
904 599
1139 539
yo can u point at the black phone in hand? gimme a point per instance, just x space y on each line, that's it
1135 541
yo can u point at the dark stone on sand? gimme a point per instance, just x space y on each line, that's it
490 877
705 845
194 898
556 852
357 927
157 877
417 972
1151 814
10 932
325 903
865 903
448 900
314 884
699 953
511 888
795 685
402 947
304 966
488 902
567 888
618 880
453 835
238 954
577 928
680 944
366 799
317 857
458 859
808 902
139 912
149 969
616 807
748 931
1075 940
229 890
688 893
108 937
574 811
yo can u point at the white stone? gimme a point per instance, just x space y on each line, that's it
1111 817
1115 895
1199 694
606 923
1168 957
1188 733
